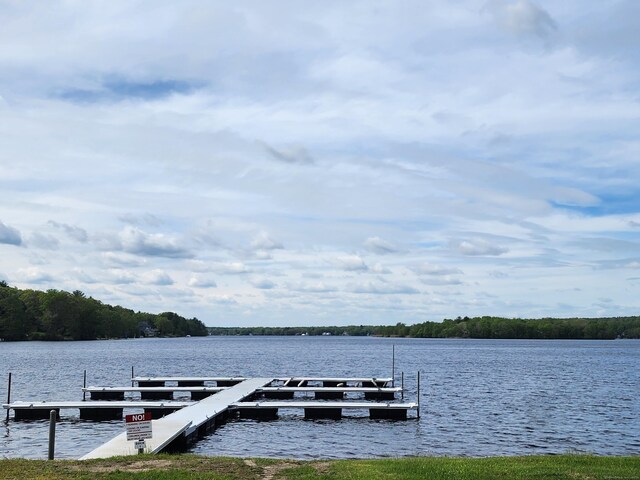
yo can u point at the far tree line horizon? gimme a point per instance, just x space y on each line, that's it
60 315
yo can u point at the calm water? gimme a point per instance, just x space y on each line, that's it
479 397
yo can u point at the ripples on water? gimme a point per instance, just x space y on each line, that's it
479 397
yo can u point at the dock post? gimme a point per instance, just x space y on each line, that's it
393 365
132 382
52 433
8 397
418 400
402 386
84 385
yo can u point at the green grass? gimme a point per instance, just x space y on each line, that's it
178 467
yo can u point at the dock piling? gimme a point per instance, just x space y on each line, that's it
8 397
84 385
402 386
393 365
52 433
418 399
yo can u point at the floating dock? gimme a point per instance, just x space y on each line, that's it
100 410
185 423
215 399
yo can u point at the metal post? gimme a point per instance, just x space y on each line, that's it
402 386
52 433
393 365
8 397
418 409
132 375
84 385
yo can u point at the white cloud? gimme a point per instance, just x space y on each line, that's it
378 288
478 247
522 17
340 140
379 246
351 263
202 281
431 269
263 241
157 277
33 275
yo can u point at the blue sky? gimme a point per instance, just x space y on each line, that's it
298 163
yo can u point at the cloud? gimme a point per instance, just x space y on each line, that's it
263 241
431 269
202 281
118 89
157 277
232 268
478 247
140 220
291 155
314 287
351 263
44 241
383 289
379 246
441 281
522 17
122 260
10 235
33 275
380 269
262 283
76 233
152 245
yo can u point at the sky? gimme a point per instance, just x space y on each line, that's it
324 163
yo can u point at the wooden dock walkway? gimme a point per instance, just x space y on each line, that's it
185 423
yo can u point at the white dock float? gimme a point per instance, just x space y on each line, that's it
117 393
185 422
336 381
187 381
370 393
94 410
377 410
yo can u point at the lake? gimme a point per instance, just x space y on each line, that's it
478 397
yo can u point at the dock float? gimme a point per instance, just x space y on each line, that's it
185 424
316 410
90 410
187 381
149 393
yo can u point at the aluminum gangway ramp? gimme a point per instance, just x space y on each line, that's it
183 422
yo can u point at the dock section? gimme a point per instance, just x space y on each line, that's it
186 423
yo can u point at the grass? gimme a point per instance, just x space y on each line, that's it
178 467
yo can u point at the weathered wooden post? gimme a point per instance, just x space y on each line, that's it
52 433
8 397
402 386
84 385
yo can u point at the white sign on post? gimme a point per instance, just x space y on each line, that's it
138 426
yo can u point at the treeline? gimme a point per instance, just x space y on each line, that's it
60 315
478 327
356 331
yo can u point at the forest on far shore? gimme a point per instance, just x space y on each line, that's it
478 327
60 315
